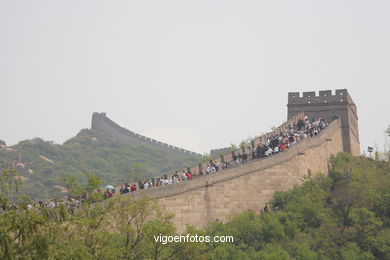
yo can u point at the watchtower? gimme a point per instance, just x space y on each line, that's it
329 105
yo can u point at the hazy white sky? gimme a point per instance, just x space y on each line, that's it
196 74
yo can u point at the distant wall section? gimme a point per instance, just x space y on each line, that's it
102 123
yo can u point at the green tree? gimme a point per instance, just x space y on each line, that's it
243 143
8 181
93 184
137 223
365 224
72 185
206 158
233 147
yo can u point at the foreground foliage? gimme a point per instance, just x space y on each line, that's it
345 215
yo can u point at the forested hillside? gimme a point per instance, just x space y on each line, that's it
42 164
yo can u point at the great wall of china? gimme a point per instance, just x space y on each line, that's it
103 124
250 186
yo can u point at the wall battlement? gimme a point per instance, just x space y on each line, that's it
323 97
329 105
102 123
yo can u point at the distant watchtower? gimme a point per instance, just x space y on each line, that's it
328 105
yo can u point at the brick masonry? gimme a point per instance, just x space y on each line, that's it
250 186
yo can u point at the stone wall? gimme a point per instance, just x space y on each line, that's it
249 186
103 124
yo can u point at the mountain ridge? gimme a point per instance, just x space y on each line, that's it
43 164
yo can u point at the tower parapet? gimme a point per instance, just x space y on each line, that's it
329 105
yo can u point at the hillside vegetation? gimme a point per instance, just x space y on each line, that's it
345 215
44 164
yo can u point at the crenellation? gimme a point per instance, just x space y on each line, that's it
292 96
310 94
341 92
325 93
324 96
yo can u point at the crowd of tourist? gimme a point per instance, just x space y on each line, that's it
279 142
70 204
